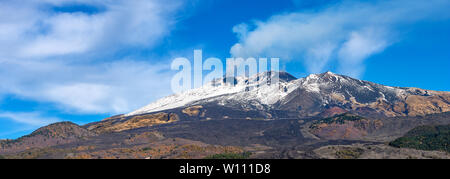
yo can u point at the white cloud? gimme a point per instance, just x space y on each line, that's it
107 87
29 30
51 56
241 30
70 33
348 32
359 46
32 119
24 122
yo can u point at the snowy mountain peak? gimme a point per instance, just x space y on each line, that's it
256 89
305 96
314 82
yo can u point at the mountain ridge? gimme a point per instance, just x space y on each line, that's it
296 119
51 135
322 91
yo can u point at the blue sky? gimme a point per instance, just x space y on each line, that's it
84 60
